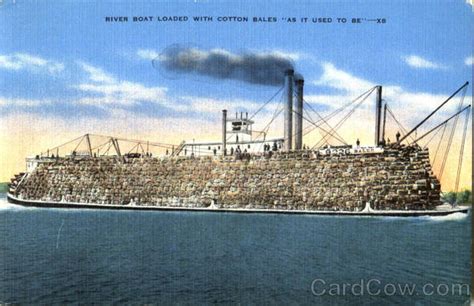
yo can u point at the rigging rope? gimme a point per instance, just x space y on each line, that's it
309 115
341 122
79 143
402 128
434 135
437 127
450 139
439 143
156 144
461 152
108 148
275 115
141 147
319 127
271 121
261 107
66 143
339 110
135 146
331 129
326 133
101 145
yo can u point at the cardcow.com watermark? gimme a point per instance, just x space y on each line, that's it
376 287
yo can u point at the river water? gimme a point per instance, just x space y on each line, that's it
53 256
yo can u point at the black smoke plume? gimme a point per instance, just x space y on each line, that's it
255 68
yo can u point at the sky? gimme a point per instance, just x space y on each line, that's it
65 71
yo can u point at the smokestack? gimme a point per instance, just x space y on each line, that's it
378 113
224 131
289 74
299 114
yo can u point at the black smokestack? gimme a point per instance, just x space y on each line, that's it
255 68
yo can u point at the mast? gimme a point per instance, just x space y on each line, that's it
116 146
89 147
224 131
378 110
384 121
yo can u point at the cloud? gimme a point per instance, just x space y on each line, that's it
22 102
469 61
342 80
404 102
147 54
97 74
124 92
209 105
104 90
25 61
418 62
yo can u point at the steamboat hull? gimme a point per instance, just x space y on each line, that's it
373 213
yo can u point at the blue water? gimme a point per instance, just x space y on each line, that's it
90 256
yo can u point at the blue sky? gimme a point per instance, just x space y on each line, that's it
52 55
